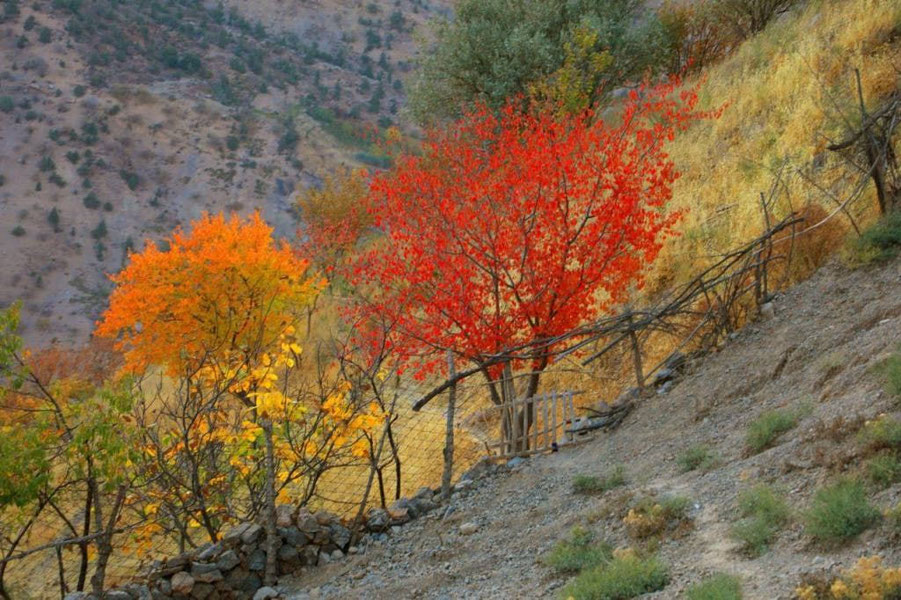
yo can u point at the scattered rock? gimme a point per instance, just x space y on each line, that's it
265 593
469 528
182 583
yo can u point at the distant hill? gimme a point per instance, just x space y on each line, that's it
121 120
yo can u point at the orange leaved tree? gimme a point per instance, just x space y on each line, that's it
216 309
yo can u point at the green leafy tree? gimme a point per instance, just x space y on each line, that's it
494 49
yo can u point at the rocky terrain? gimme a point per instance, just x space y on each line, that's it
816 354
121 121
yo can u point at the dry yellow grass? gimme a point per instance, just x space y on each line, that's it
786 91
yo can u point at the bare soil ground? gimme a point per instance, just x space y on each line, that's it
818 353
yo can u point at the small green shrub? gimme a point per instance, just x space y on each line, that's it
769 426
695 458
594 484
45 36
884 469
622 578
878 243
652 515
891 371
79 90
46 164
7 104
840 512
717 587
764 513
18 231
882 433
91 201
130 178
578 552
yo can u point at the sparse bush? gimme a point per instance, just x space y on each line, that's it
18 231
763 513
891 371
45 36
882 433
79 90
73 156
718 587
7 104
694 458
840 512
622 578
764 430
57 180
130 178
878 243
594 484
46 164
99 232
53 219
749 17
578 552
867 579
653 516
91 201
884 469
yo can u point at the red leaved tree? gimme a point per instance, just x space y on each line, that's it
514 227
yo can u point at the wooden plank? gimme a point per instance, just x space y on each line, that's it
554 417
546 421
533 410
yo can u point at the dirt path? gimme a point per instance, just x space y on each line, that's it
817 352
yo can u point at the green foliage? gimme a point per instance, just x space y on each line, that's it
694 458
79 90
764 430
884 469
7 104
594 484
882 433
840 512
879 242
100 231
130 178
53 219
91 201
578 552
494 49
764 513
718 587
891 371
622 578
18 231
46 164
45 36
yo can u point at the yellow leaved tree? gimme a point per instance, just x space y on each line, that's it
209 320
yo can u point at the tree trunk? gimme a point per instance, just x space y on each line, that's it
271 574
105 541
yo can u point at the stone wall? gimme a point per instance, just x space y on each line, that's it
232 568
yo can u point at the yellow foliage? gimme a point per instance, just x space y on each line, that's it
867 580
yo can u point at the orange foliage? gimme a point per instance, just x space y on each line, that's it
226 286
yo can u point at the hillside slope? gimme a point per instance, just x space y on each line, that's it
121 120
816 355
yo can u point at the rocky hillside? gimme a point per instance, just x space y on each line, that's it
815 359
122 120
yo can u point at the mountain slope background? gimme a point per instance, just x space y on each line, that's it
120 121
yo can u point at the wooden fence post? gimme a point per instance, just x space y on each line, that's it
636 353
449 430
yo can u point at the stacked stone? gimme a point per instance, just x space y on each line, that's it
232 569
